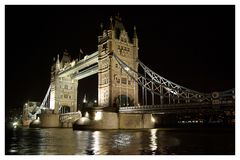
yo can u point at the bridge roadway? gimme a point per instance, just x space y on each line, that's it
175 108
84 63
85 73
161 109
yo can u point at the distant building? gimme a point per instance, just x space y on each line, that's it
29 110
13 114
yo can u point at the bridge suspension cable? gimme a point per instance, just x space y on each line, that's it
173 87
45 98
43 104
160 86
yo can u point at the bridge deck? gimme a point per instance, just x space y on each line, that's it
82 64
173 108
86 73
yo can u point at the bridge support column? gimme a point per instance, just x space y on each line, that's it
111 120
135 121
49 120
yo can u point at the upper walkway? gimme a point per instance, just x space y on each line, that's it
84 63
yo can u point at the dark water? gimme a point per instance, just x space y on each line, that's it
61 141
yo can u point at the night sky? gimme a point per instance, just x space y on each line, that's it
193 46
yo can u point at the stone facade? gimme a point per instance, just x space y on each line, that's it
115 87
63 94
49 120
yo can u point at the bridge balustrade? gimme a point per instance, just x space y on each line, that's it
69 117
173 107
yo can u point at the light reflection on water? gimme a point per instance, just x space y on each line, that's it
117 142
153 140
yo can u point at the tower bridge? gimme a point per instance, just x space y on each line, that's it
120 86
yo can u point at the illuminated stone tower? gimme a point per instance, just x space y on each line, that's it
115 87
63 94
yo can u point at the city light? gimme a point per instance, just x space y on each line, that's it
87 115
98 116
38 119
152 119
126 68
80 113
15 124
73 63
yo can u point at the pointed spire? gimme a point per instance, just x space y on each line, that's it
111 23
101 26
135 32
85 98
65 52
57 63
118 17
58 59
80 54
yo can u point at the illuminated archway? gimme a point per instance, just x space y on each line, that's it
123 100
64 109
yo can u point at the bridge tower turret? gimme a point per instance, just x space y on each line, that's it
115 87
63 92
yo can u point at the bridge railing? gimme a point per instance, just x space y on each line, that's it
70 116
176 107
89 58
165 106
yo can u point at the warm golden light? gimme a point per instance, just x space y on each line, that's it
52 100
15 124
98 116
153 139
87 115
153 120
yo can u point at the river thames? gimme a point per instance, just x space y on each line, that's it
164 141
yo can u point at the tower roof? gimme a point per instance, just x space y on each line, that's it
118 23
66 58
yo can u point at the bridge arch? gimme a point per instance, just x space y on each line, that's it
64 109
123 100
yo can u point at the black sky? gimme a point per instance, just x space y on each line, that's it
193 46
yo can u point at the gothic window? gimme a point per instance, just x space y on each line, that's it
124 81
65 96
104 63
70 97
116 65
129 82
118 80
105 47
106 80
65 87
